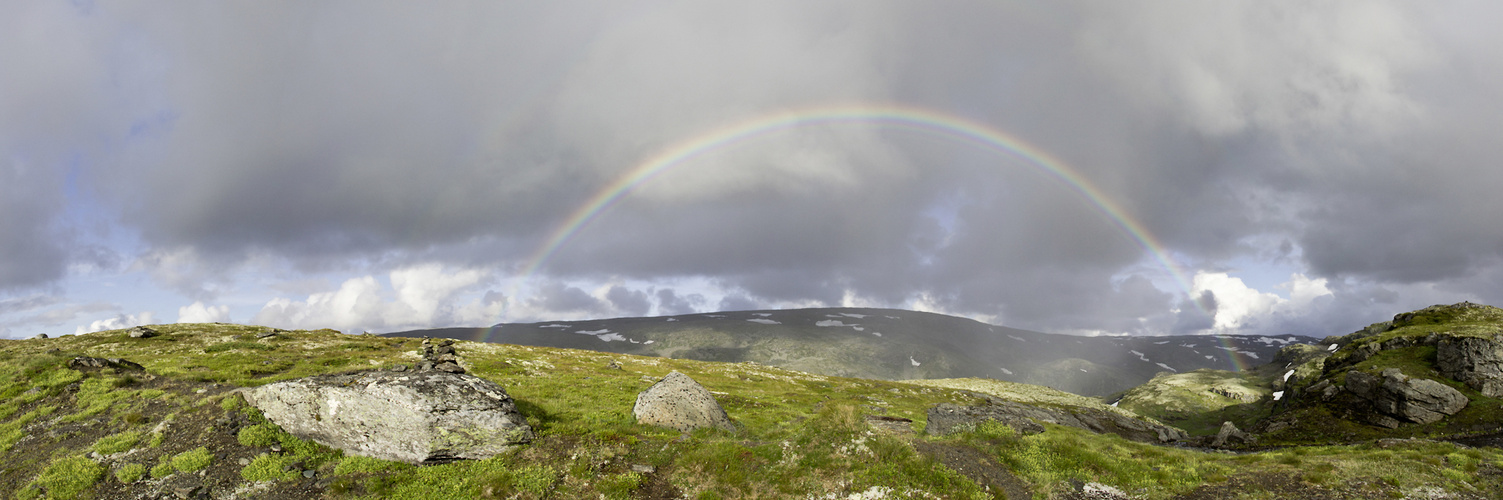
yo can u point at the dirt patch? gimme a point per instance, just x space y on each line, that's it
977 466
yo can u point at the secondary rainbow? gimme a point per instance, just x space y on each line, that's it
905 117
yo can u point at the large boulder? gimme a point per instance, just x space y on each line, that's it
1476 361
679 402
1405 398
406 417
1228 433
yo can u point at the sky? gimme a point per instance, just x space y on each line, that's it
1092 168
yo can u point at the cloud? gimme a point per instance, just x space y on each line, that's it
417 155
117 322
198 312
419 296
670 303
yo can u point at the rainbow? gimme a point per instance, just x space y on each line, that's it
905 117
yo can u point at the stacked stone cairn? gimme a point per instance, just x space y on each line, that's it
441 357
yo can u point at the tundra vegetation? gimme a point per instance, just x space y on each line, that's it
180 425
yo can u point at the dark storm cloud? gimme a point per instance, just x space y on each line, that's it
628 302
1352 140
671 303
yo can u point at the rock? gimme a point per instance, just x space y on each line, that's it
678 402
1027 419
141 332
39 336
613 365
644 469
86 363
1475 361
406 417
946 418
267 333
1229 432
1401 397
399 368
448 366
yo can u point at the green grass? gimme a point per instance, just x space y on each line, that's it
797 435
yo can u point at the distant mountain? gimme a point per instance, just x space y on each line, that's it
892 344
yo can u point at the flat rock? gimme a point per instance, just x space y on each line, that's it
678 402
87 363
407 417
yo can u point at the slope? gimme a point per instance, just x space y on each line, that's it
892 344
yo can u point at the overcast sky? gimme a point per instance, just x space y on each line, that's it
1308 168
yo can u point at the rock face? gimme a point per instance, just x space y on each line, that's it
1399 396
87 363
1228 433
946 418
678 402
1476 361
406 417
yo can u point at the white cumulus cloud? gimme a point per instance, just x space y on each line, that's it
198 312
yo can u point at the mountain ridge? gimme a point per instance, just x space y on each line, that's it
892 344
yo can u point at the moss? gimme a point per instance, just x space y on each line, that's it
116 443
193 460
67 478
130 473
366 465
267 467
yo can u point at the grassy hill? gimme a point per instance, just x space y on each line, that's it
892 344
180 428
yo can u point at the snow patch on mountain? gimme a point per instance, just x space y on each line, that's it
764 321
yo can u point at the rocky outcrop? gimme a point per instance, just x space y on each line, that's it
1229 433
141 332
86 363
1475 361
678 402
947 418
1397 397
406 417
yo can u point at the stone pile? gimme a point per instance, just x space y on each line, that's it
442 357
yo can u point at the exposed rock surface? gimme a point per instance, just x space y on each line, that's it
407 417
946 418
1228 433
1406 398
87 363
1476 361
141 332
678 402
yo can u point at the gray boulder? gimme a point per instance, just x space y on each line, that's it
678 402
946 418
1476 361
1405 398
1228 433
141 332
407 417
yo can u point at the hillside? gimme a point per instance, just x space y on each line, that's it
178 428
890 344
